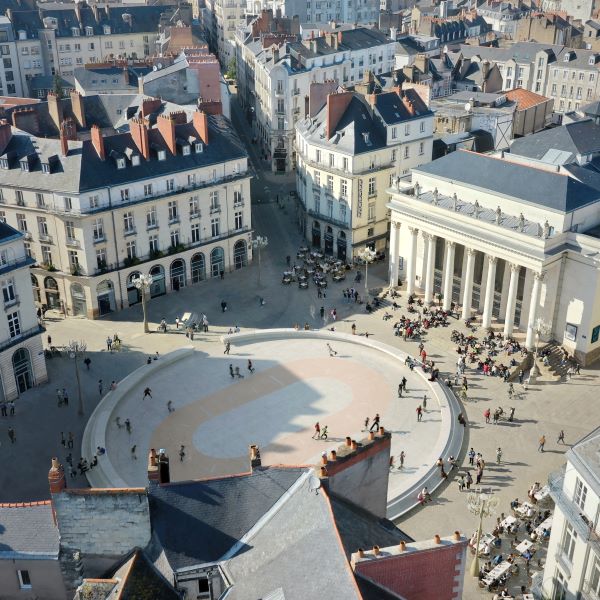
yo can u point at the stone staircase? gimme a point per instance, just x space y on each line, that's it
554 371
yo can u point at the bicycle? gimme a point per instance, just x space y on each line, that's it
323 435
163 328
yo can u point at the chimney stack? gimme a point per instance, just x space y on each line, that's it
336 106
78 109
164 474
138 129
255 461
26 119
5 135
64 143
70 128
201 125
150 105
166 126
152 465
56 477
98 142
55 109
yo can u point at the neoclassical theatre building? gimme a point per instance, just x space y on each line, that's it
514 240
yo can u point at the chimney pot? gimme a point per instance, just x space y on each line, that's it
381 431
323 472
348 441
166 127
361 553
255 460
56 477
402 546
98 142
333 455
457 535
376 550
64 141
354 445
437 539
201 125
371 435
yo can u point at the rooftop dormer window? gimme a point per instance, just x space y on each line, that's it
75 31
25 166
162 155
198 148
592 60
120 163
89 31
185 150
135 160
3 163
45 168
106 29
567 57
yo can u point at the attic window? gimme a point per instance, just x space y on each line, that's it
89 31
592 60
45 168
75 31
567 57
106 29
25 166
185 150
162 155
4 163
198 147
135 160
120 163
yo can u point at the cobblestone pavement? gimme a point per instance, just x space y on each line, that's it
543 409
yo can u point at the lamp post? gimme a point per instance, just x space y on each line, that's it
368 256
76 349
541 329
259 242
143 283
483 505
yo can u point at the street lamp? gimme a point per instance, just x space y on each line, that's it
483 505
143 283
76 350
368 256
541 329
259 242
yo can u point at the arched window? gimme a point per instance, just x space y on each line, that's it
36 288
105 297
133 294
52 295
78 301
240 254
177 274
198 267
22 370
158 286
217 261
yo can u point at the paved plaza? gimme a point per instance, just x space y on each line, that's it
335 393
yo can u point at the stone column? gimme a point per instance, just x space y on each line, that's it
448 274
535 299
394 252
429 267
468 278
511 302
412 261
489 292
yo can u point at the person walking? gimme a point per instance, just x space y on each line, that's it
353 328
332 352
227 348
238 374
521 376
419 413
87 362
11 406
3 410
59 396
499 455
404 384
250 367
375 423
71 441
424 403
63 440
561 437
542 443
181 453
366 424
322 311
109 343
400 390
231 371
317 433
170 406
402 456
12 436
486 414
469 480
100 386
128 425
65 397
471 456
147 392
133 449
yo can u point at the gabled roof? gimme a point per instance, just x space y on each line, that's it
197 522
393 109
540 187
524 98
28 530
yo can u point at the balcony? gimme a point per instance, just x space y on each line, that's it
99 239
45 238
73 243
590 592
151 226
174 219
328 219
27 235
295 91
18 263
195 214
572 512
129 231
215 210
11 301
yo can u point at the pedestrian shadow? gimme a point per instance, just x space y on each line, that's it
553 451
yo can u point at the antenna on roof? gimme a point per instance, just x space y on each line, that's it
314 483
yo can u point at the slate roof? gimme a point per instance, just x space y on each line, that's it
196 522
392 109
581 137
81 170
7 232
593 109
548 189
27 529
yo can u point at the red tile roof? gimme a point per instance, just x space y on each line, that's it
524 98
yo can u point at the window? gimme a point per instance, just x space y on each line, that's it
39 199
318 178
318 156
14 328
330 208
203 588
407 129
214 200
592 76
73 259
70 230
568 542
175 238
372 190
330 183
148 190
394 133
128 223
98 229
47 255
343 210
589 94
345 163
19 198
151 217
24 579
42 226
317 201
170 185
194 206
580 493
153 243
8 291
131 250
595 577
422 127
215 227
560 587
21 222
406 151
173 212
238 220
101 258
237 197
125 193
343 188
331 160
371 215
421 148
553 92
68 203
195 233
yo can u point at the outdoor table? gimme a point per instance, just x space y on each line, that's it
286 280
487 539
523 546
300 255
303 285
509 521
497 572
309 261
542 494
339 276
303 249
524 508
547 524
321 283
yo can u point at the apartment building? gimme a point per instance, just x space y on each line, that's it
172 201
22 362
221 19
572 568
10 74
349 154
282 72
57 38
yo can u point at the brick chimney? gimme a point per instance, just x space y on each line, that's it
166 126
78 109
164 474
138 129
26 119
201 125
98 141
336 106
55 109
56 477
70 128
152 465
64 143
255 461
150 105
5 135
